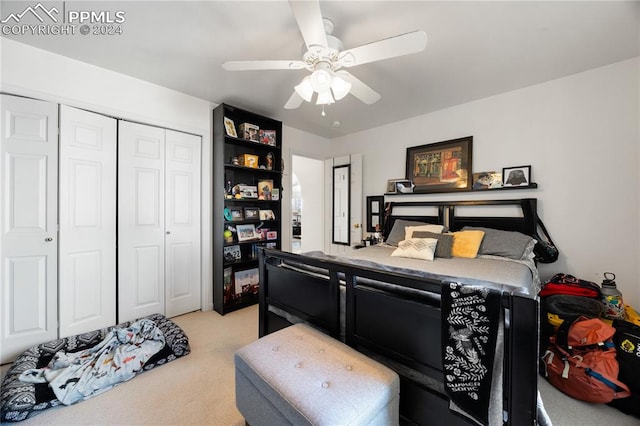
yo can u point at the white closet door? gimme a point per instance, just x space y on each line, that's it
141 204
182 230
28 218
87 253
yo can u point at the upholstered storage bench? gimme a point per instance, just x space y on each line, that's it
20 400
301 376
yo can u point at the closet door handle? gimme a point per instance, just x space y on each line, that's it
168 232
48 239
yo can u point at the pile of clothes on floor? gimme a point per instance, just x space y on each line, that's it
590 342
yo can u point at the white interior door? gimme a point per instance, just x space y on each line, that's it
28 218
141 210
87 253
182 229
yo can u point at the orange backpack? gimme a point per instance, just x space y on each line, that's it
581 361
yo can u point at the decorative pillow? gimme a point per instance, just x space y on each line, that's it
445 242
397 231
466 243
416 248
409 230
509 244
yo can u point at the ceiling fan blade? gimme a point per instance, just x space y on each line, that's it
263 65
294 101
383 49
309 18
360 90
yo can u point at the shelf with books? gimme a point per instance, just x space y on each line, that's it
247 187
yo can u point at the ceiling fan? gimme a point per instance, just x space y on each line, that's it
325 59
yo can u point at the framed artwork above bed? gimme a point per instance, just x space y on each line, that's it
441 167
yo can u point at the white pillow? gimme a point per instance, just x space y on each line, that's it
408 230
416 248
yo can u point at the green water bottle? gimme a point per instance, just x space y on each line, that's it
612 298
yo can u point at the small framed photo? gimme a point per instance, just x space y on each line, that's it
275 194
246 232
272 235
230 128
391 185
267 215
268 137
516 176
404 186
236 214
247 281
232 253
486 180
265 189
251 213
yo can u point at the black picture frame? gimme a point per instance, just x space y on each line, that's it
442 166
251 213
516 176
236 214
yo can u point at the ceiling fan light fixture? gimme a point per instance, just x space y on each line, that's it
321 80
340 87
305 89
324 98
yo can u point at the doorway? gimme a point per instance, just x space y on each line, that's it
307 204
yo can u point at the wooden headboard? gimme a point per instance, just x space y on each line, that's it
450 213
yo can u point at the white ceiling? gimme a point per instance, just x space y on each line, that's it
475 49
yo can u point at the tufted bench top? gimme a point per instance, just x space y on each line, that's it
312 378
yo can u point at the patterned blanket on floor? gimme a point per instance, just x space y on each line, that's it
75 376
20 400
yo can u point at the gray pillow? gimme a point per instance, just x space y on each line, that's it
445 242
509 244
397 231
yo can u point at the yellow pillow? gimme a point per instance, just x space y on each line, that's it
466 243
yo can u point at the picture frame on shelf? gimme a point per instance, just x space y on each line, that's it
247 281
267 215
230 128
251 213
404 186
265 189
275 194
486 180
516 176
236 214
442 166
268 137
272 235
232 253
391 185
247 191
246 232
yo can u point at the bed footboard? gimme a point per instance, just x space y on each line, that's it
396 319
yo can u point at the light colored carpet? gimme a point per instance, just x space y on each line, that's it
198 389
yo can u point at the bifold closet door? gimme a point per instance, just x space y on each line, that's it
182 229
158 222
141 234
87 247
28 221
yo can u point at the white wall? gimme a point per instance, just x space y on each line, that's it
36 73
581 136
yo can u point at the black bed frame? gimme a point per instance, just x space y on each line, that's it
395 318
